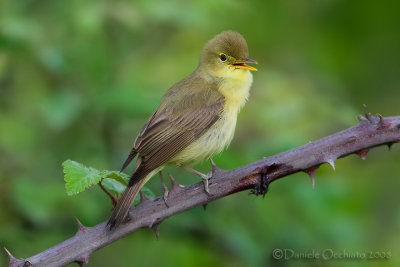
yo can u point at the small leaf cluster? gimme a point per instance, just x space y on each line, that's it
79 177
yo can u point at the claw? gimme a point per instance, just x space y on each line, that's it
203 176
205 181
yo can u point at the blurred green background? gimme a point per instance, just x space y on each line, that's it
79 78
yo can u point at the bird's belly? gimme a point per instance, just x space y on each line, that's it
212 142
221 133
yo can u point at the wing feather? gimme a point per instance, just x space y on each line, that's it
173 127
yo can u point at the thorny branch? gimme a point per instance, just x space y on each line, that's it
372 131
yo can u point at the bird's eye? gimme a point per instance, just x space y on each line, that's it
222 57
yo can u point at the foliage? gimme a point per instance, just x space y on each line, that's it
78 177
78 79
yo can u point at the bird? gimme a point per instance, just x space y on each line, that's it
195 120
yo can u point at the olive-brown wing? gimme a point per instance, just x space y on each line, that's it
172 128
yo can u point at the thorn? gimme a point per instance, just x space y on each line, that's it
82 260
171 178
367 114
13 260
363 153
332 163
213 163
369 117
365 109
382 122
205 207
311 172
156 228
361 118
9 253
143 198
214 168
81 228
176 187
164 189
389 145
380 119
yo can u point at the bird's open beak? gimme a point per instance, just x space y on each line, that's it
240 64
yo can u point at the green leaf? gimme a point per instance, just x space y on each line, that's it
117 188
78 177
121 177
113 186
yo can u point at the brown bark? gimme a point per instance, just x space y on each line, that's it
370 132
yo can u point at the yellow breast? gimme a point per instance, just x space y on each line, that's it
236 91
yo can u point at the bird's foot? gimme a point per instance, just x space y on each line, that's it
203 176
262 187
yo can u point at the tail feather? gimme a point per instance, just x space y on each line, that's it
128 160
121 210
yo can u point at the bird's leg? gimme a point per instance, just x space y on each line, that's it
164 188
203 176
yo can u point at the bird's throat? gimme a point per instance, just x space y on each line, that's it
236 90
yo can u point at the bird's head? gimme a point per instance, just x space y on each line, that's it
226 56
